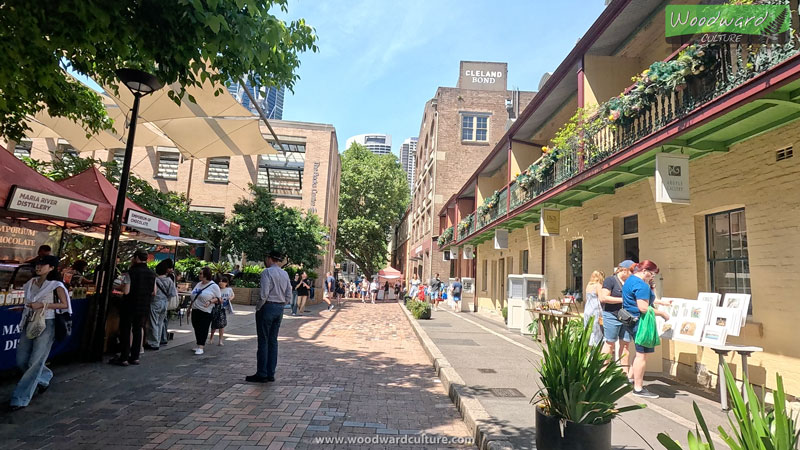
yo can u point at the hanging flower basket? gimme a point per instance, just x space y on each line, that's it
445 237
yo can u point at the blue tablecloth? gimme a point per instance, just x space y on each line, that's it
9 333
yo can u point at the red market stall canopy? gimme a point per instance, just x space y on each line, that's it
26 194
390 273
97 187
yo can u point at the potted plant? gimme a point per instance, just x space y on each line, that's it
420 310
754 426
579 391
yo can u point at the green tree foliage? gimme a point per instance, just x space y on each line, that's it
179 41
373 195
259 225
172 206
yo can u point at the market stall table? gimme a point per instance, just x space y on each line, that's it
553 319
722 350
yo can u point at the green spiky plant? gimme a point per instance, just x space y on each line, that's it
753 426
578 381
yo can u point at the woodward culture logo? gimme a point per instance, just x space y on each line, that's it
739 19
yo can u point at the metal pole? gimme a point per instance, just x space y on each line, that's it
113 241
260 112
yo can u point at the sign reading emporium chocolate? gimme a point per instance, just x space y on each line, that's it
486 76
141 220
49 205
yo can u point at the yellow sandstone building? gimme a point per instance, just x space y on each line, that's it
732 115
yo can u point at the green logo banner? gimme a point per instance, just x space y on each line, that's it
740 19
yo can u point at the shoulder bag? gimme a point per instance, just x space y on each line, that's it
172 301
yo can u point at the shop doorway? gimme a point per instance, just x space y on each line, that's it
501 282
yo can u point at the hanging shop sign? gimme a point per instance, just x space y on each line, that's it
49 205
550 222
500 238
469 252
146 221
672 178
20 243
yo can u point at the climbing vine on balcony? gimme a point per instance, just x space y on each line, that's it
464 225
445 237
489 203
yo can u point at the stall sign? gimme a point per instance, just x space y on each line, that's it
142 220
469 252
500 238
550 222
39 203
672 178
20 243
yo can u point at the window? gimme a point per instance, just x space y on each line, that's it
523 261
575 266
452 267
474 128
290 147
485 276
630 237
281 181
118 156
64 149
23 148
168 161
727 253
217 170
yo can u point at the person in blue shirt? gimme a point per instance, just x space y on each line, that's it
637 297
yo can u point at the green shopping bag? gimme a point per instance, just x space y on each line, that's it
647 333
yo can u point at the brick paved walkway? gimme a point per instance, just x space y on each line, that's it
358 372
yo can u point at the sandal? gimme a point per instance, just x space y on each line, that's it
134 362
118 362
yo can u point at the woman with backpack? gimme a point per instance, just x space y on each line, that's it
44 295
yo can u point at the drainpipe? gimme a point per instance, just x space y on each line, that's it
544 261
433 182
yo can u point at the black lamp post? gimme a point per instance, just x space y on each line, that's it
140 84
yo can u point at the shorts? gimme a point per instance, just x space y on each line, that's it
363 292
456 297
614 330
374 291
639 348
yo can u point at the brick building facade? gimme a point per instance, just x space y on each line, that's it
459 128
304 175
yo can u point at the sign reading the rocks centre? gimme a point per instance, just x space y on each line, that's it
486 76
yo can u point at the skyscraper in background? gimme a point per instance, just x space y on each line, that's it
380 144
270 99
408 153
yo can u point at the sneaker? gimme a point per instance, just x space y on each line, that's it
199 351
255 379
630 381
644 393
294 314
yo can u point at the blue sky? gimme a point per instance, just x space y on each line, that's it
380 61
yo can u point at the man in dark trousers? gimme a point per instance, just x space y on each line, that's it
276 291
138 287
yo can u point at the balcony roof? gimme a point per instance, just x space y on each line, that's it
610 30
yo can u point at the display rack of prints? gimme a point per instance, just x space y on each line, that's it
715 335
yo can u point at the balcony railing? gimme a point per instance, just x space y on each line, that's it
482 220
732 66
462 234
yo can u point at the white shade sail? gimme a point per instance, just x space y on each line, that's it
158 105
202 137
45 126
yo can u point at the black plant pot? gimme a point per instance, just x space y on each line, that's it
576 436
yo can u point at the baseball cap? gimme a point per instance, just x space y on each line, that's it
627 264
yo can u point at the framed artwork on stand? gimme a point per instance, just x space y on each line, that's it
689 330
740 301
666 327
730 318
715 335
710 297
699 310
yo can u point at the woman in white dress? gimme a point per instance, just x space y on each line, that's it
414 286
592 307
35 342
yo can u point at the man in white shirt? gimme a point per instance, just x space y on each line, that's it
276 291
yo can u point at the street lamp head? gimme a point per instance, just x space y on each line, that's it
139 82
